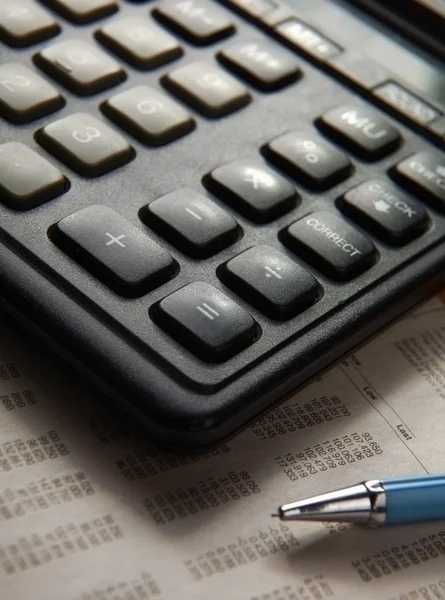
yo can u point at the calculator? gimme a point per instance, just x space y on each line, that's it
205 204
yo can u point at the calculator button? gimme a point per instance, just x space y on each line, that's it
423 174
80 66
85 144
407 103
386 210
83 11
253 9
24 95
23 23
263 63
150 116
271 281
27 179
253 189
192 222
332 245
206 321
142 44
308 39
198 21
361 130
113 250
208 89
309 159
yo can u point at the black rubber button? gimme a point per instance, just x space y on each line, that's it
331 245
361 130
24 95
80 66
85 144
83 11
309 159
208 89
23 23
26 178
141 43
192 222
253 189
271 281
198 21
149 115
386 211
262 63
206 321
423 174
114 250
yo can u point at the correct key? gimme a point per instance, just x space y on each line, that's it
206 321
331 245
114 250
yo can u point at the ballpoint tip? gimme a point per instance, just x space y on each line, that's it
274 515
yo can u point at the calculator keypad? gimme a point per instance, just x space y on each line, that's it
80 66
25 95
294 221
85 144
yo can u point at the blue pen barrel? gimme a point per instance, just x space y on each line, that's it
414 499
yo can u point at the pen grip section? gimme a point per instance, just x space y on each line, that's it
415 499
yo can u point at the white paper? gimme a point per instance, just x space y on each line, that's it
89 511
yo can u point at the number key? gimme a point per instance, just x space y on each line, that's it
80 66
143 44
208 89
149 115
23 22
85 144
24 95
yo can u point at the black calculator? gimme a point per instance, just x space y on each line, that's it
204 204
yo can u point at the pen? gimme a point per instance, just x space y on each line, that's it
375 503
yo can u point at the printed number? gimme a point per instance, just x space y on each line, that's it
90 133
81 57
139 34
148 107
212 80
17 81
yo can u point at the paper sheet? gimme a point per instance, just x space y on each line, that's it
89 511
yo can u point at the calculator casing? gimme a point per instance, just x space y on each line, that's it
97 332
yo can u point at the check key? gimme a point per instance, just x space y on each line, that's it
331 245
386 210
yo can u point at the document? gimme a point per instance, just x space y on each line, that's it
91 510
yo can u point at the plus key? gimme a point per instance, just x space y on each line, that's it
113 250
